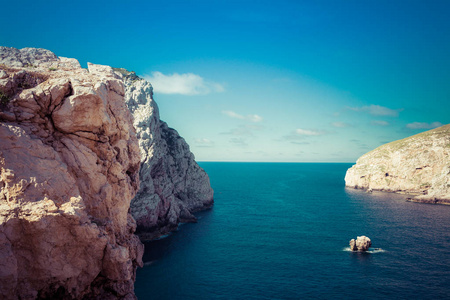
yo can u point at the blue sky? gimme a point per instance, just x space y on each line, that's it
303 81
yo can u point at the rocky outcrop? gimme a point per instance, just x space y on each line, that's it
418 165
69 167
362 243
173 186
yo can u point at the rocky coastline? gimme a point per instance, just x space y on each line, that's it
173 186
85 161
418 166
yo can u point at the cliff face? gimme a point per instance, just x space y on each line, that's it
69 167
173 186
418 165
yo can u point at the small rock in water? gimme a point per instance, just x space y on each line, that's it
362 243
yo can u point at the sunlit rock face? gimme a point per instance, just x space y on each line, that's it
69 167
418 165
361 244
173 186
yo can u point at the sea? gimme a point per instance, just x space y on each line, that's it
282 230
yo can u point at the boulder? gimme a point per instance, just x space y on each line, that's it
362 243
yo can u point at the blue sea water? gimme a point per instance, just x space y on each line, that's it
281 231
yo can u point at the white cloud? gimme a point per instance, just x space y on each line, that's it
380 123
377 110
299 135
251 118
308 132
341 124
419 125
184 84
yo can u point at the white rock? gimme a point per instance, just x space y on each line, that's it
362 243
418 165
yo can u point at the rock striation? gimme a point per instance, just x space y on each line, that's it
362 244
173 185
418 165
69 167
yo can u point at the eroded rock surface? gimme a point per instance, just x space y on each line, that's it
418 165
173 185
69 167
362 243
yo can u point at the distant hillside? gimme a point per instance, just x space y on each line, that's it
418 165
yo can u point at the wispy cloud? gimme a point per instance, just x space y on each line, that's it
299 135
183 84
341 124
360 144
251 118
379 123
241 142
244 130
203 143
308 132
419 125
377 110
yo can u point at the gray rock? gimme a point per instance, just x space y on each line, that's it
27 57
173 185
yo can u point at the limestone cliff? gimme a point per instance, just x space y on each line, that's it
418 165
173 186
69 167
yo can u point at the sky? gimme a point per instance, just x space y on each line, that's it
278 81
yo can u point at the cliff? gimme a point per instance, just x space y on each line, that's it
173 186
71 155
69 167
418 165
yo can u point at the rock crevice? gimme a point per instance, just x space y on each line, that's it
68 171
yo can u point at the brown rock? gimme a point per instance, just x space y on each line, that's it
69 164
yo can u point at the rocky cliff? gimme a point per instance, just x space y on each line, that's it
70 163
418 165
173 186
69 167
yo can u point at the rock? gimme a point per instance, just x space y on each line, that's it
27 57
173 185
69 167
418 165
362 243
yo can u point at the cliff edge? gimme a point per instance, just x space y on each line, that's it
69 167
418 165
173 185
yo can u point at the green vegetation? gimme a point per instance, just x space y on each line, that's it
4 99
132 75
52 69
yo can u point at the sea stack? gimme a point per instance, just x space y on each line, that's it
362 243
418 165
